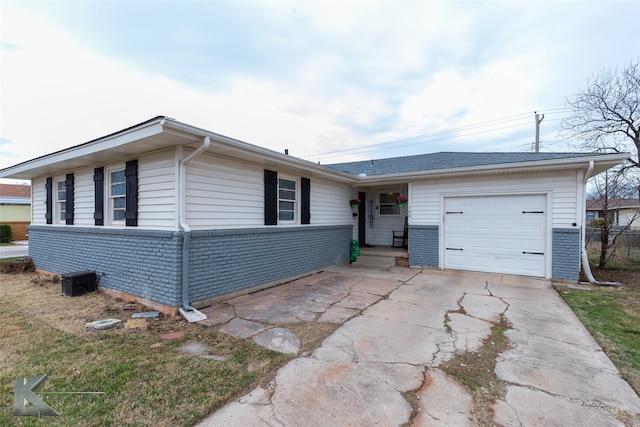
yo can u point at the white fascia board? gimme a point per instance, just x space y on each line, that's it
26 170
263 155
601 162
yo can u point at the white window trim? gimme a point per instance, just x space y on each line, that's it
296 202
57 216
380 214
108 202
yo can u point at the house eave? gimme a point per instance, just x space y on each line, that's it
157 134
234 148
125 142
162 132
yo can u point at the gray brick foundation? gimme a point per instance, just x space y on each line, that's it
565 248
143 263
424 246
148 264
224 261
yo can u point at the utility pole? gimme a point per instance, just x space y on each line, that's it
538 121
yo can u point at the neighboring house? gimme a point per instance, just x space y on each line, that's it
623 213
173 214
15 209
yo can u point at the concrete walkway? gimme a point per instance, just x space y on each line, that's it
397 328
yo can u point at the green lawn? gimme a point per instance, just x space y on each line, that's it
612 315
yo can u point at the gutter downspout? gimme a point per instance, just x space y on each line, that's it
585 259
190 313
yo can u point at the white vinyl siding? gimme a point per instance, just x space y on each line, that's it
330 203
83 199
156 190
426 197
224 193
38 201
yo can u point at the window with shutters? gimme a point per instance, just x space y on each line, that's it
117 196
286 200
61 200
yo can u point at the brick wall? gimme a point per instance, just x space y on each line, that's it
148 264
424 246
143 263
565 245
224 261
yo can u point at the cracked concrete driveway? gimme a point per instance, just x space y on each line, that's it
381 367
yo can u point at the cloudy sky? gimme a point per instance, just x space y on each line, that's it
331 81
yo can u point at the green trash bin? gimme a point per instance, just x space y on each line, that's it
355 250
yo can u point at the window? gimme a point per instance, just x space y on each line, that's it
117 195
61 196
286 200
591 215
387 204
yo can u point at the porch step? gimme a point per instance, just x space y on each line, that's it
382 257
375 261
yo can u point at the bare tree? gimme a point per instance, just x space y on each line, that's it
606 115
609 188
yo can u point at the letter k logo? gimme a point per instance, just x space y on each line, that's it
26 402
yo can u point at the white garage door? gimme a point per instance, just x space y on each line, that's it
500 234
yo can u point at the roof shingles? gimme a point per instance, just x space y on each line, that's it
444 160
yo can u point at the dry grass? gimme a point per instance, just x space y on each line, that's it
145 379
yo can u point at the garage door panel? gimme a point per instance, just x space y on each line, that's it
505 245
479 223
477 244
534 224
496 234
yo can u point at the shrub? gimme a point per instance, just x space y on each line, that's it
5 233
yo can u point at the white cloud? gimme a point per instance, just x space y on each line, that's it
313 77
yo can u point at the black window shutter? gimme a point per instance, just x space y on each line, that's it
49 200
270 197
131 199
98 195
305 200
68 216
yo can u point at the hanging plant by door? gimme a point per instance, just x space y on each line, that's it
401 201
355 202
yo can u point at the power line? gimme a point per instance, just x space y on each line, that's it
462 131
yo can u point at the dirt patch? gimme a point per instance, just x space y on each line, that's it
42 297
19 265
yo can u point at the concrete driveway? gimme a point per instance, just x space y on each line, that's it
397 328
